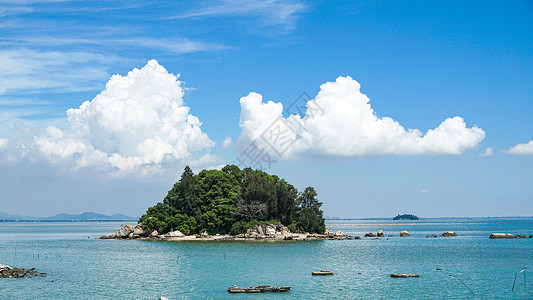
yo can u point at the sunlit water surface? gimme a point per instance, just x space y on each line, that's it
81 267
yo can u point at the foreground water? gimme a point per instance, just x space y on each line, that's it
81 267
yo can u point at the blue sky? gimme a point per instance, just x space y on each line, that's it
421 64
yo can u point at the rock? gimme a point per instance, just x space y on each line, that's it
204 234
404 275
531 236
328 232
139 231
8 272
449 233
501 236
338 233
404 233
285 230
163 298
251 233
174 234
269 230
370 234
154 233
381 233
521 236
433 236
375 239
260 230
124 231
108 236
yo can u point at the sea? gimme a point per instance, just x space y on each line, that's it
468 266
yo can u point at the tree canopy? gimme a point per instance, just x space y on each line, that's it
233 200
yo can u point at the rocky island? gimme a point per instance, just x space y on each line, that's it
232 204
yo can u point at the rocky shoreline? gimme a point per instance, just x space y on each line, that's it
260 232
264 232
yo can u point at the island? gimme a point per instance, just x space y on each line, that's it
231 203
405 217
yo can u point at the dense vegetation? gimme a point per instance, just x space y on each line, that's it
405 217
232 200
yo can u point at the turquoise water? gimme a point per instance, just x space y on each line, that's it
81 267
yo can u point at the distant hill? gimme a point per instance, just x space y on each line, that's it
86 216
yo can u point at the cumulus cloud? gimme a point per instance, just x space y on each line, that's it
488 152
521 149
137 123
340 122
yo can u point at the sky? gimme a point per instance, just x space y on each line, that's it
385 107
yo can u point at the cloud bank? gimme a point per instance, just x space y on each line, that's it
521 149
340 122
136 124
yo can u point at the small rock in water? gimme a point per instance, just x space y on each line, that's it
449 233
381 233
405 233
404 275
501 236
370 234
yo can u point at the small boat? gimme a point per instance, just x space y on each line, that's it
322 272
259 289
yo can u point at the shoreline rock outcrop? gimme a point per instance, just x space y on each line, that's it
260 232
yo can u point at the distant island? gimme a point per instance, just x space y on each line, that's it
405 217
231 201
86 216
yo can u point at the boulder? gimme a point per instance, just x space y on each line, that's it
251 232
381 233
154 233
260 230
370 234
5 267
269 230
449 233
204 234
285 230
163 298
139 231
328 232
109 236
174 234
531 236
404 233
338 233
521 236
501 236
433 236
124 231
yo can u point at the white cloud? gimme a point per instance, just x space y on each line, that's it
276 12
341 122
488 152
136 125
23 70
3 143
227 142
424 191
521 149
